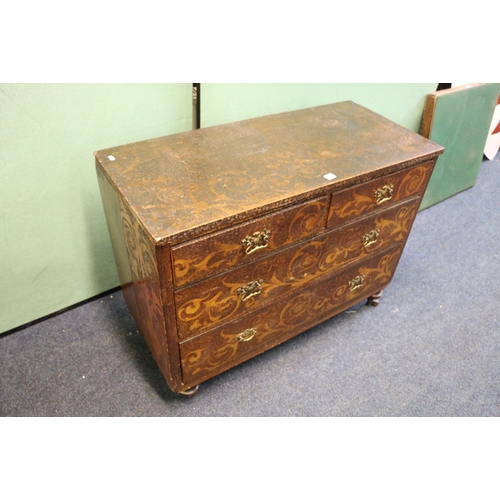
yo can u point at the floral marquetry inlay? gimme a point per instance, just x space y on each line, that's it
274 322
203 305
232 239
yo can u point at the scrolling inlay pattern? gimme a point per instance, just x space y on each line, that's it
203 305
188 180
223 250
301 190
146 285
207 353
361 200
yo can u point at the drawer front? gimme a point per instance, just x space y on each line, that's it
215 351
385 191
215 253
226 297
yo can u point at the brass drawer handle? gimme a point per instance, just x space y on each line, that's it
371 238
383 194
257 240
357 282
250 289
247 335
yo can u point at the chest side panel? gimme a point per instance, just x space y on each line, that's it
113 215
149 314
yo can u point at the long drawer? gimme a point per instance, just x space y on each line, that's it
232 343
244 243
226 297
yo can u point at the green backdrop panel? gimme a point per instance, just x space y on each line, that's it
458 119
226 102
54 244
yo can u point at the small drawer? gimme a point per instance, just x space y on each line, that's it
379 193
220 251
232 343
228 296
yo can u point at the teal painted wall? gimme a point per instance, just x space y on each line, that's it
54 247
227 102
54 244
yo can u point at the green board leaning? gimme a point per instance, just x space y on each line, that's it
458 119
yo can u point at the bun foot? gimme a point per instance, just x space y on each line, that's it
190 392
374 299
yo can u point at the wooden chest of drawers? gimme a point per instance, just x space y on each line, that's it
232 239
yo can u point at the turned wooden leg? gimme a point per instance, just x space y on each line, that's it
373 299
190 392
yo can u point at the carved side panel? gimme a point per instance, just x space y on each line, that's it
206 355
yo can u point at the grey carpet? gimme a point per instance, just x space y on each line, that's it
431 348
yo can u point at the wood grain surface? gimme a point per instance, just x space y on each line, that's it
232 239
210 302
361 199
220 349
215 253
190 182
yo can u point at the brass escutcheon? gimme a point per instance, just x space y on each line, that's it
370 238
247 335
357 282
250 289
383 194
257 240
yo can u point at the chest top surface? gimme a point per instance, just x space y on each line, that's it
184 181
